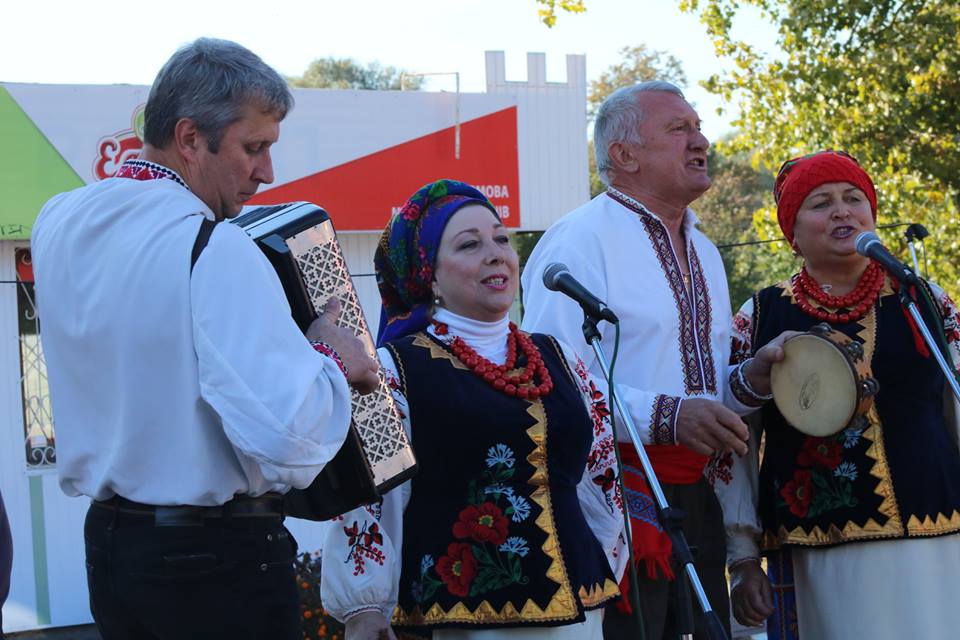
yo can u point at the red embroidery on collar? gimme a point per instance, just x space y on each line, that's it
694 309
146 170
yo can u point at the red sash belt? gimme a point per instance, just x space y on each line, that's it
651 545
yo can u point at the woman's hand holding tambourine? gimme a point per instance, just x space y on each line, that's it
757 369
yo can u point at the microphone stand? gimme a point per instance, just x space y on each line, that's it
916 232
670 518
911 306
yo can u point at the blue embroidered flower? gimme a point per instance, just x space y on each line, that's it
515 545
425 563
851 437
500 454
497 490
416 590
846 470
375 509
521 508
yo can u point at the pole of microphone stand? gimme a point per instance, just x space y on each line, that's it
915 232
911 306
671 519
913 255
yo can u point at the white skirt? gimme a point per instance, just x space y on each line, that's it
879 590
589 629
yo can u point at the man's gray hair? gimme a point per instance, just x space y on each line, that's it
211 82
619 119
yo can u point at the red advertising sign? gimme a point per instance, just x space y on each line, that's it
360 195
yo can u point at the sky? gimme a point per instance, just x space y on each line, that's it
99 42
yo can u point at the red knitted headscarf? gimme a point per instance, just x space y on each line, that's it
799 176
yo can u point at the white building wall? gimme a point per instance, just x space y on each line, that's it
551 135
358 250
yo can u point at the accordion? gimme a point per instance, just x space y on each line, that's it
299 241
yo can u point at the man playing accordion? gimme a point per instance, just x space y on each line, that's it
187 400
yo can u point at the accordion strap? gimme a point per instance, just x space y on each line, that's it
203 237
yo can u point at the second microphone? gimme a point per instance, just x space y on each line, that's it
557 277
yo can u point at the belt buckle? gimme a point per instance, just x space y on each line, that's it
180 516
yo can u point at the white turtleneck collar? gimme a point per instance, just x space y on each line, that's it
488 338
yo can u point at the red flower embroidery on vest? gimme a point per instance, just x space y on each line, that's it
798 493
820 452
457 568
485 523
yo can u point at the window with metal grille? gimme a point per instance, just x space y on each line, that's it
39 438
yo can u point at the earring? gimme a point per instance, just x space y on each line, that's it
436 299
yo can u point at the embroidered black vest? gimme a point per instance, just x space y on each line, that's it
896 476
494 534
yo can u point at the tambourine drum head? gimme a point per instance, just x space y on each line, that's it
814 387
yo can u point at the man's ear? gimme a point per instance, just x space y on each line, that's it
623 156
187 139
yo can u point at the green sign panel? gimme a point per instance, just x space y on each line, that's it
31 171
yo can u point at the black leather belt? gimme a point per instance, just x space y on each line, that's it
269 505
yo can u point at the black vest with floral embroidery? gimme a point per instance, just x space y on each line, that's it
897 475
494 535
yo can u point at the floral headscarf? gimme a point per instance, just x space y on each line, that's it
799 176
406 257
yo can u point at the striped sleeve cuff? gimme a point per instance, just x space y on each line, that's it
330 352
363 609
663 420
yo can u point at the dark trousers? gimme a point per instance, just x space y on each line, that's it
229 577
703 528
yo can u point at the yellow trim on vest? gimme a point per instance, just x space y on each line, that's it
930 527
563 604
597 593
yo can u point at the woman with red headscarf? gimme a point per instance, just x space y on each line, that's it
868 519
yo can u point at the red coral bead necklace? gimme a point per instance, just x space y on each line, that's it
504 377
856 303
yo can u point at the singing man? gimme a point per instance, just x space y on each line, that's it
638 248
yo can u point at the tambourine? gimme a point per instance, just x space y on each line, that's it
824 383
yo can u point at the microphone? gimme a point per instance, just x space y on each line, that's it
556 277
868 244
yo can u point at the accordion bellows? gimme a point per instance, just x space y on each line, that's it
301 244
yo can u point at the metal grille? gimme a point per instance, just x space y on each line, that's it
325 274
39 438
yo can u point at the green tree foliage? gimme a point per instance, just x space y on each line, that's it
347 73
638 64
878 78
548 9
524 242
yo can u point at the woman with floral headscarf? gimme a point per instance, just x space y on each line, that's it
867 520
512 526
